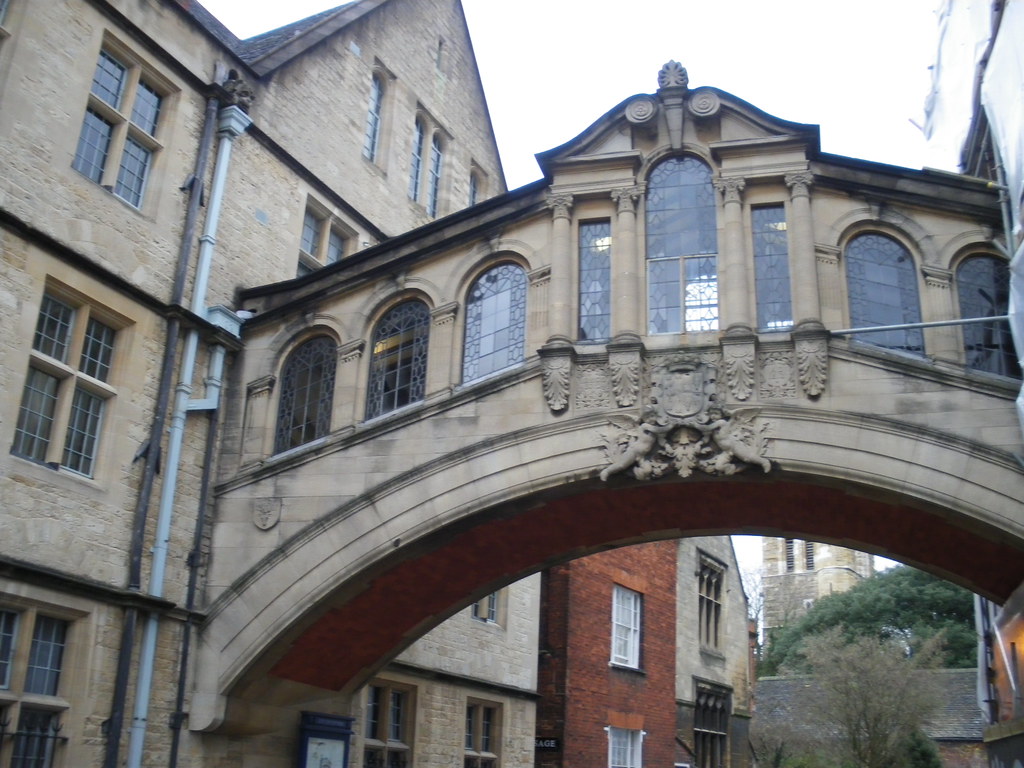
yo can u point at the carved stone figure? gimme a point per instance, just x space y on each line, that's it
716 441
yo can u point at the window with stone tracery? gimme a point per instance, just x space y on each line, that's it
983 289
881 282
398 363
307 392
682 247
495 322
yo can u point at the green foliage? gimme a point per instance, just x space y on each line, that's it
901 604
922 752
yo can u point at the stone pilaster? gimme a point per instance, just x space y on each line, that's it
560 315
734 298
802 261
626 272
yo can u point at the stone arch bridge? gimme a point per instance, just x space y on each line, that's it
640 346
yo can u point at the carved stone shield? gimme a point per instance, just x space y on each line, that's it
685 388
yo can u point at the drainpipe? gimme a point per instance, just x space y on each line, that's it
232 123
195 191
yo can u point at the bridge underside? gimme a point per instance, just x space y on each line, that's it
339 646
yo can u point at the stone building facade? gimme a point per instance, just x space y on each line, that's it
644 658
795 573
281 402
153 164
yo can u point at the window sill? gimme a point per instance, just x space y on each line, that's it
626 668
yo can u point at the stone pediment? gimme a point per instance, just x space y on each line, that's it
678 116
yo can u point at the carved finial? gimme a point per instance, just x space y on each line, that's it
673 75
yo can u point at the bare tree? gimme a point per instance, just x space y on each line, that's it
871 697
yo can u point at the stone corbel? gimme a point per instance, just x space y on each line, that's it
937 277
351 351
445 314
625 361
811 345
738 355
556 361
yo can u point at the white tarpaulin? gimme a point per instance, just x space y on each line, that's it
1002 96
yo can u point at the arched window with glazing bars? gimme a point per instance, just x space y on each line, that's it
495 322
983 288
682 247
307 392
398 362
881 283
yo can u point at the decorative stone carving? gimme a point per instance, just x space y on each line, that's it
641 110
625 370
812 364
704 103
777 379
445 315
937 277
556 371
266 513
238 92
738 359
626 198
673 75
684 429
351 351
560 205
799 183
730 187
261 387
592 387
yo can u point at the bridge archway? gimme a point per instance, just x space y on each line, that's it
444 533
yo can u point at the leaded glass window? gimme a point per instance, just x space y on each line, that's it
434 177
416 166
682 247
771 268
495 322
711 726
8 630
46 655
983 287
371 139
307 393
595 281
398 366
882 285
121 120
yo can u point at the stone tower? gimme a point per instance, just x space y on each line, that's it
796 573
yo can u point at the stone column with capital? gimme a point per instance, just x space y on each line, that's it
560 315
626 272
810 339
733 269
803 262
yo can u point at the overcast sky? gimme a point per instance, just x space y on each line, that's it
552 67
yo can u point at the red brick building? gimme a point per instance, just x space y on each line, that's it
643 659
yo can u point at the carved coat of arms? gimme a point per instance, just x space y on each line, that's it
685 429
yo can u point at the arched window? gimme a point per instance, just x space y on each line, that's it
882 286
983 286
416 169
371 141
682 247
398 366
434 177
307 389
495 322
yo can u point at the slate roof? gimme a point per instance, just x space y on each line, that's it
263 46
958 719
